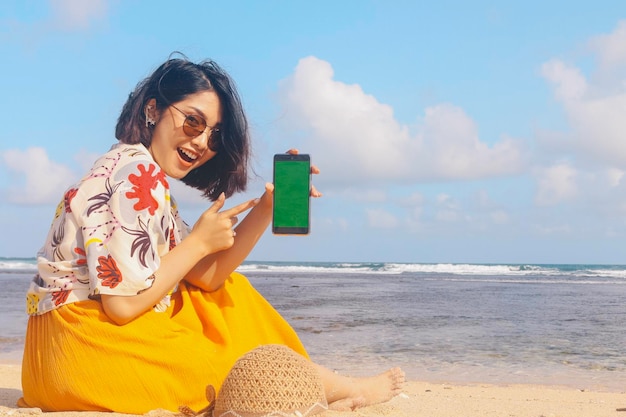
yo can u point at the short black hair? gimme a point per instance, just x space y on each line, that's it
173 81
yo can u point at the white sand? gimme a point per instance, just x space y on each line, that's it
419 399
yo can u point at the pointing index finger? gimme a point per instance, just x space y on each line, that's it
218 203
240 208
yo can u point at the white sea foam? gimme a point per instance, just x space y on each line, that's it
462 269
504 271
17 265
443 269
323 268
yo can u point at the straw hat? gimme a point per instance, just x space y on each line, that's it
269 381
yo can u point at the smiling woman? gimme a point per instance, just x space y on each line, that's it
193 147
209 109
132 310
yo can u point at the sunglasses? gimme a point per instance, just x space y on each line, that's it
194 126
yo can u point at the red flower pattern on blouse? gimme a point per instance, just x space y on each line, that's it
82 256
108 271
60 297
142 186
68 197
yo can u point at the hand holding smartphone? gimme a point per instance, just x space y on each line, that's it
292 188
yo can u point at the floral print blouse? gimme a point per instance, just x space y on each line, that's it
108 234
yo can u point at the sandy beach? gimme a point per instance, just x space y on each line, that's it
419 399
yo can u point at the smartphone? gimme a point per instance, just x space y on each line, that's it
292 188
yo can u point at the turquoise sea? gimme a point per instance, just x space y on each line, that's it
546 324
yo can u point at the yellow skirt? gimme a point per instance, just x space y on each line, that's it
76 359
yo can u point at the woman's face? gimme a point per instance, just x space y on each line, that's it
174 151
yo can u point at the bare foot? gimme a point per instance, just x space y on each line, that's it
371 390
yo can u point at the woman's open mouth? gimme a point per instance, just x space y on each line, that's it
187 156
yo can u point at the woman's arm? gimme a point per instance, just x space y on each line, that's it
212 233
211 272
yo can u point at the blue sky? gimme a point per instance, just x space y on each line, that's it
446 131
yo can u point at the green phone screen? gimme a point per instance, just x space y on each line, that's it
291 194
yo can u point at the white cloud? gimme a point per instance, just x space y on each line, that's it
488 208
354 133
446 201
370 195
414 219
447 209
556 230
570 84
499 217
555 184
381 219
44 180
614 176
331 224
594 142
598 125
85 159
414 206
610 48
356 138
595 106
78 14
452 148
414 199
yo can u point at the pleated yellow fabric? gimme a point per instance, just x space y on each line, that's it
77 359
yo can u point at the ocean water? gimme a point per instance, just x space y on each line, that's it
457 323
